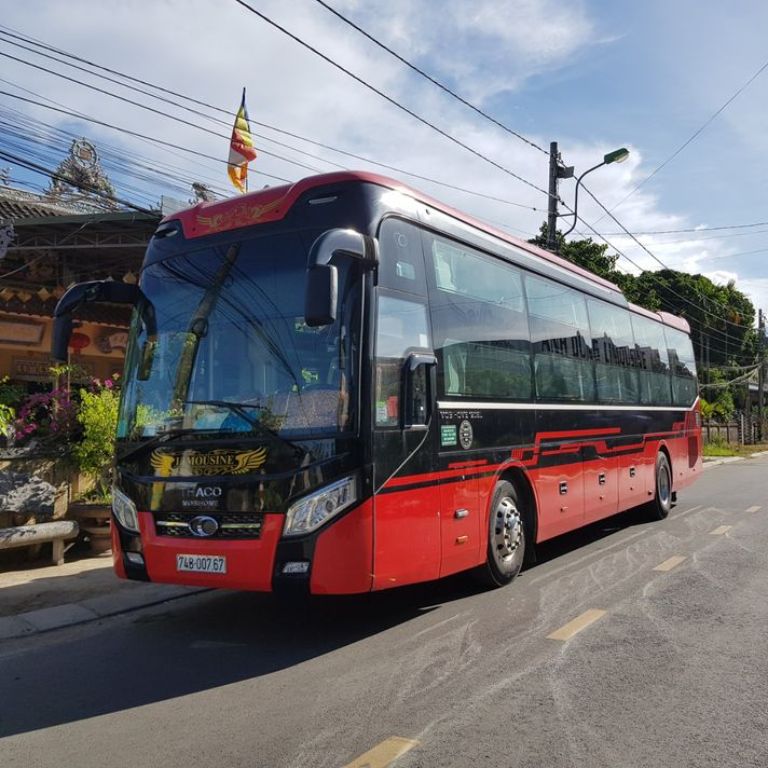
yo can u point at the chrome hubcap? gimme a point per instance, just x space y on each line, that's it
507 533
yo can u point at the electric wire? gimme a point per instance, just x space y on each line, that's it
159 112
694 229
695 134
611 215
268 126
431 79
390 99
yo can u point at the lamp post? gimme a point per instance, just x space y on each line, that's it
617 156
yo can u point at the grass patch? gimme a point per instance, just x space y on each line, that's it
721 448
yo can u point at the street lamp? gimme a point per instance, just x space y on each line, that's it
617 156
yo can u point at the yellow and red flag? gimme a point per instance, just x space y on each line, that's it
241 150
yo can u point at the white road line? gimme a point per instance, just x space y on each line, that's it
754 509
668 565
574 627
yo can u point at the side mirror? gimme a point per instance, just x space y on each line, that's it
322 291
82 293
322 295
419 380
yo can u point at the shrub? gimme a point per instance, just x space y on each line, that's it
97 415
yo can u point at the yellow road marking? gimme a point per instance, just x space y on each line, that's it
383 754
668 565
720 530
754 509
574 627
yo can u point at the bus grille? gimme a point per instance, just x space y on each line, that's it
232 525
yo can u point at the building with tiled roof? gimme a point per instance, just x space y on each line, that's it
48 242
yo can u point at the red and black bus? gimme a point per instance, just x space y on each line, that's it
342 385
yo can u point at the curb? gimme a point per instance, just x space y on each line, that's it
93 609
722 460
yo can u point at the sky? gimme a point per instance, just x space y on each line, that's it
592 75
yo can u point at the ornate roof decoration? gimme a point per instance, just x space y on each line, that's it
80 179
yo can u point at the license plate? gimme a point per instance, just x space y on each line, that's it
201 563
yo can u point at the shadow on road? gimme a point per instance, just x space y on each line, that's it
194 645
214 640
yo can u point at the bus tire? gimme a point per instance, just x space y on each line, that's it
506 538
662 498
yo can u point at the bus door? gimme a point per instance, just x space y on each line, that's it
406 502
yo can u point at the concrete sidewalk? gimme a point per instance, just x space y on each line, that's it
45 597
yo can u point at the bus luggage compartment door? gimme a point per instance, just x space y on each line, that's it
461 524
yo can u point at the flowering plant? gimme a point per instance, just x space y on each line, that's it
46 415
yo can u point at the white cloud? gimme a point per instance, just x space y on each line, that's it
210 51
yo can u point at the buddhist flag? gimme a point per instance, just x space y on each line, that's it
241 150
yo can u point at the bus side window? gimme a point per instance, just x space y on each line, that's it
563 367
480 324
683 365
401 328
655 384
402 262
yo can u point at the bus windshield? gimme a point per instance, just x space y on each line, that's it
230 351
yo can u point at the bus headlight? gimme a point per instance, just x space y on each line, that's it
312 511
125 511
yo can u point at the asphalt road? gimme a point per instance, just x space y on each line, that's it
628 644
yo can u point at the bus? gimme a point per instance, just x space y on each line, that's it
341 385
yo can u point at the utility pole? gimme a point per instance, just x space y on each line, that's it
556 171
552 208
760 371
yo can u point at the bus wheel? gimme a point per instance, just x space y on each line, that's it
662 500
506 538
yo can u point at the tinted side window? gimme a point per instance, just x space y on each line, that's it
479 323
683 365
613 349
401 264
401 326
655 384
559 336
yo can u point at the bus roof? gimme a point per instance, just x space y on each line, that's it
274 203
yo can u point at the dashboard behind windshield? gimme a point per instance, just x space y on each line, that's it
232 349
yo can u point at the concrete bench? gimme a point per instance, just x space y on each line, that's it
56 532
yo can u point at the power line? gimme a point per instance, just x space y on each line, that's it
128 131
268 126
390 99
710 332
653 256
694 135
431 79
694 229
152 109
88 187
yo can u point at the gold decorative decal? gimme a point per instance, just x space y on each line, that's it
239 216
218 462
